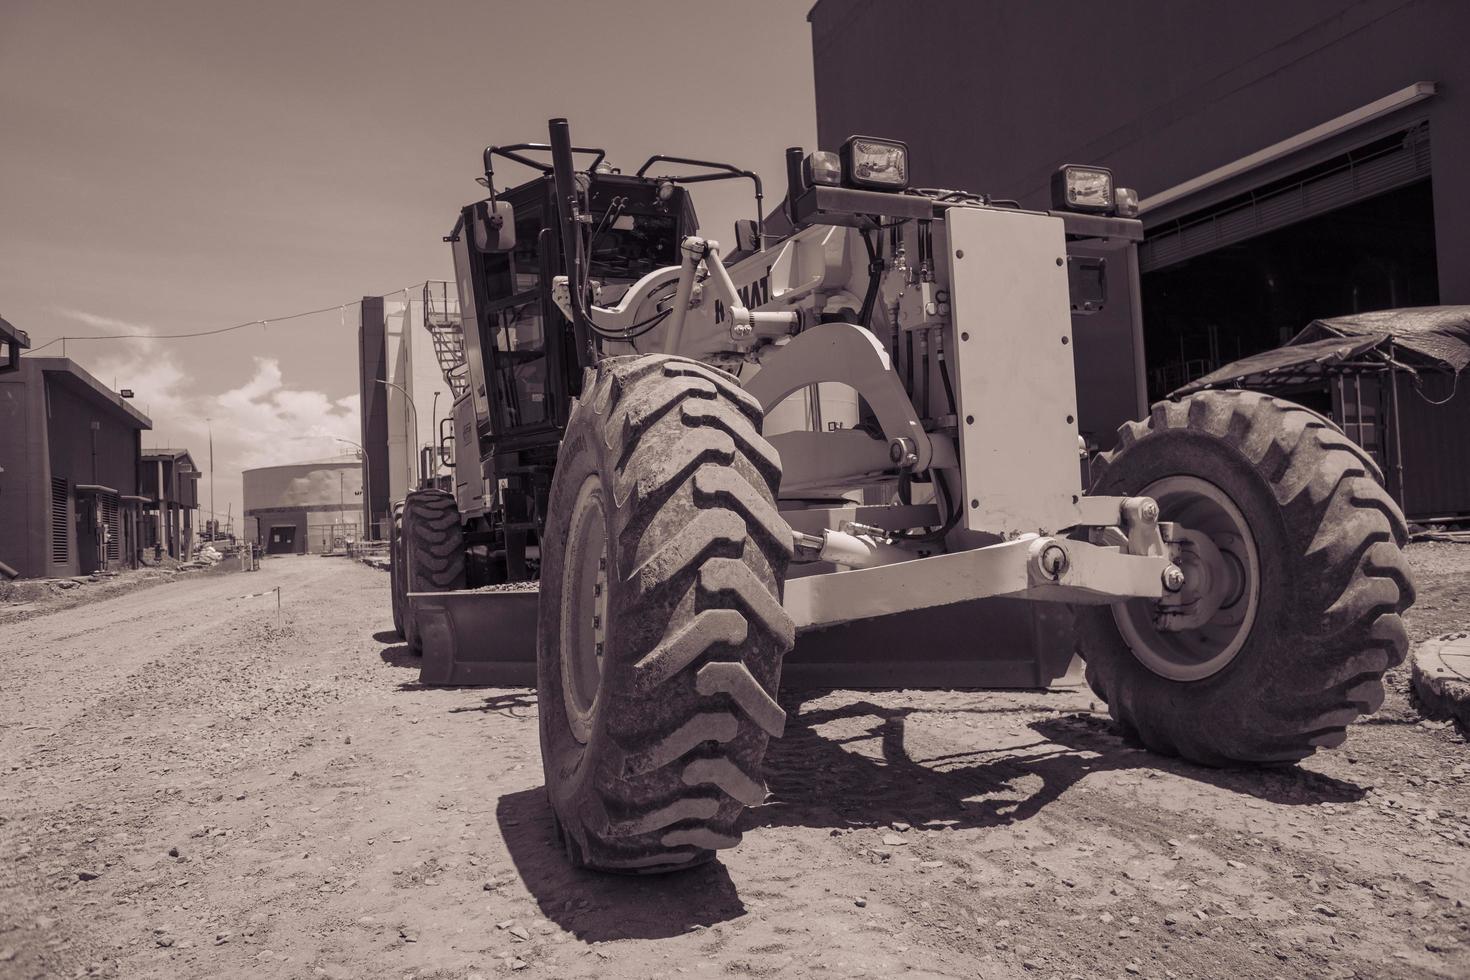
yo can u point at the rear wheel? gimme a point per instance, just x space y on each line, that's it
661 631
432 547
1295 582
395 568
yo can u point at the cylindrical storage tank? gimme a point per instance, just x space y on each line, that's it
300 508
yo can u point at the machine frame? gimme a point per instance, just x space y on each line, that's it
774 296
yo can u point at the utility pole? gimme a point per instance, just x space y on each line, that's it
213 516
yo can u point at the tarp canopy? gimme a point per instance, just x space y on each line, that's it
1433 337
1439 334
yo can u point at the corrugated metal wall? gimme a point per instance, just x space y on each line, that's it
1436 443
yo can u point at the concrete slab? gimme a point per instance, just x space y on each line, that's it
1441 669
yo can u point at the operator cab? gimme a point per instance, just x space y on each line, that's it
522 358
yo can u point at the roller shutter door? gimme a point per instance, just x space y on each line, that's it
1385 164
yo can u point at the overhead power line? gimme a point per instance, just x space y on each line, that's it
205 333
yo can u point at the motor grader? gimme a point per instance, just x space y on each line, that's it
871 411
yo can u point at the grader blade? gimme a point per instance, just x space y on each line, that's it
489 638
479 638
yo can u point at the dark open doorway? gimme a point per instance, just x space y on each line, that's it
1251 296
282 540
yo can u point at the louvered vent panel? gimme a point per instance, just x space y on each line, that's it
60 521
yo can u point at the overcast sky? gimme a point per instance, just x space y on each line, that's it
178 166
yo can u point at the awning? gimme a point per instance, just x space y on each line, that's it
94 488
129 498
12 339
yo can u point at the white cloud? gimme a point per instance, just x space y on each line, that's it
271 423
262 421
101 322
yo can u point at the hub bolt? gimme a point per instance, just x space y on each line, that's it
1054 560
1173 578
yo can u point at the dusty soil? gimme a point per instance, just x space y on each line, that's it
24 598
190 789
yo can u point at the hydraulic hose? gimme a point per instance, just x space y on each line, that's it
875 279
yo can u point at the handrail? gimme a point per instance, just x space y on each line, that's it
511 151
728 172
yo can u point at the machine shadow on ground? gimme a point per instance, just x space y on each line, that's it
865 778
519 703
816 781
395 650
596 907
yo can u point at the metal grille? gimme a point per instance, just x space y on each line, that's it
1376 168
60 521
441 319
326 539
113 519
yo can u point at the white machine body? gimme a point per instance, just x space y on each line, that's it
1012 331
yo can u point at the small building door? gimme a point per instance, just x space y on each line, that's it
282 540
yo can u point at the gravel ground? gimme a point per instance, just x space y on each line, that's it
190 789
24 598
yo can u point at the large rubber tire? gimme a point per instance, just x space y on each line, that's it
1333 583
667 454
395 568
433 552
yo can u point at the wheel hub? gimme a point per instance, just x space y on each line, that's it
584 620
1198 631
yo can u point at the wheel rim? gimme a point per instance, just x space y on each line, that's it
1223 580
584 620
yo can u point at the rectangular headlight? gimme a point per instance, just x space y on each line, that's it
1085 189
875 163
821 167
1127 199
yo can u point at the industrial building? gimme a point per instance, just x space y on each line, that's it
70 497
401 341
170 482
298 508
1294 161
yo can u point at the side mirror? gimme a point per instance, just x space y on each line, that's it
747 236
494 226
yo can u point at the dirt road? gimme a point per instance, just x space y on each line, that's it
188 789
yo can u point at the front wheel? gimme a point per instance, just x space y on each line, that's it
1295 583
661 631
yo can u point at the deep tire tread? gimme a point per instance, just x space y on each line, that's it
702 550
1349 624
395 569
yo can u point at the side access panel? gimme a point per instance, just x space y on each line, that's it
1016 390
469 481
